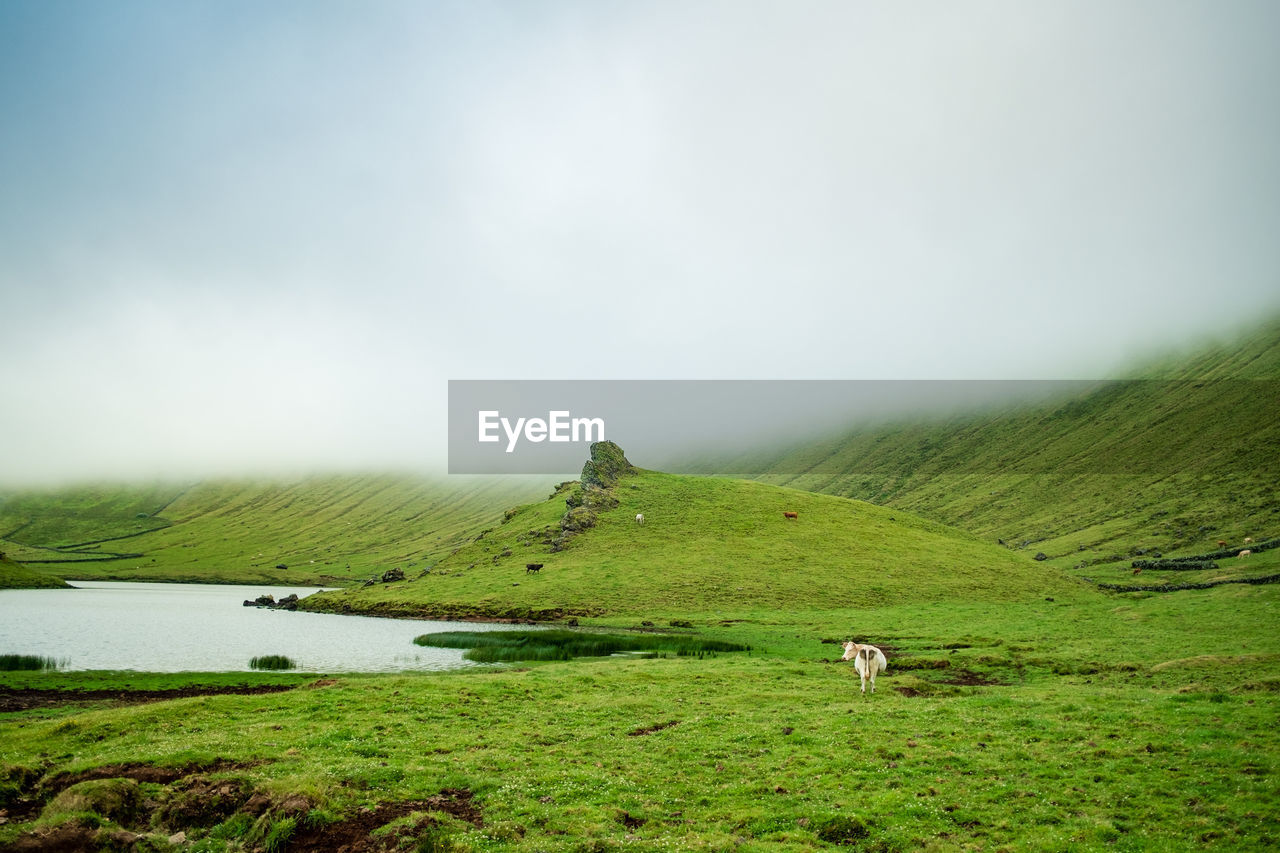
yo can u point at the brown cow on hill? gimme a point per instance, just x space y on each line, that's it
794 515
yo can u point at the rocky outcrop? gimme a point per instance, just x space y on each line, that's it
606 465
585 500
289 602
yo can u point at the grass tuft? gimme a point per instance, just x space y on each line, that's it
278 837
35 663
272 662
495 646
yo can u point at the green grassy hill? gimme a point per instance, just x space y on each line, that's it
326 530
709 547
17 576
1173 460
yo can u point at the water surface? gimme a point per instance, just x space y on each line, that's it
159 627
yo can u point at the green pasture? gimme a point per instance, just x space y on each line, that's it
325 530
1114 722
16 576
708 546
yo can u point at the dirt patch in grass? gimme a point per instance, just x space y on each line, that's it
355 834
197 801
73 837
656 727
139 773
33 797
194 801
969 678
27 698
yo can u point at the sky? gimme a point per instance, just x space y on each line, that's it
242 237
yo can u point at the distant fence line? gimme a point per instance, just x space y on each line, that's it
1202 561
1116 587
105 558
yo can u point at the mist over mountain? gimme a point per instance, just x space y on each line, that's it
261 240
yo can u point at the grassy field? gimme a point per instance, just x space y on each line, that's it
708 548
16 576
1023 708
1101 724
325 530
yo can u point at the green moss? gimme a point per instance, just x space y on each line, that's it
117 799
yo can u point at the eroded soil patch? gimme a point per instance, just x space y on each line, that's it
27 698
656 727
969 678
73 837
194 801
139 772
355 834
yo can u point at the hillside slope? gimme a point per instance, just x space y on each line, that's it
17 576
1178 457
325 530
708 546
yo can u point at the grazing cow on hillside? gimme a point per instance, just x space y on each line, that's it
1137 570
868 660
1246 552
639 518
532 567
794 515
1248 540
1222 543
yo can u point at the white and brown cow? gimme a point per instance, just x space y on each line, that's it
867 660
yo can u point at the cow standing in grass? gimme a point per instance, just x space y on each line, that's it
867 660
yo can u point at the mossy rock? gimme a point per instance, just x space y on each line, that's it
599 499
606 465
578 519
117 799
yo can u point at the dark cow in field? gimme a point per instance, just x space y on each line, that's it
794 515
532 567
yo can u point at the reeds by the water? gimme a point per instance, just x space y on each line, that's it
10 663
273 662
494 646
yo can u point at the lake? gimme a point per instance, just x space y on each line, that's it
159 627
